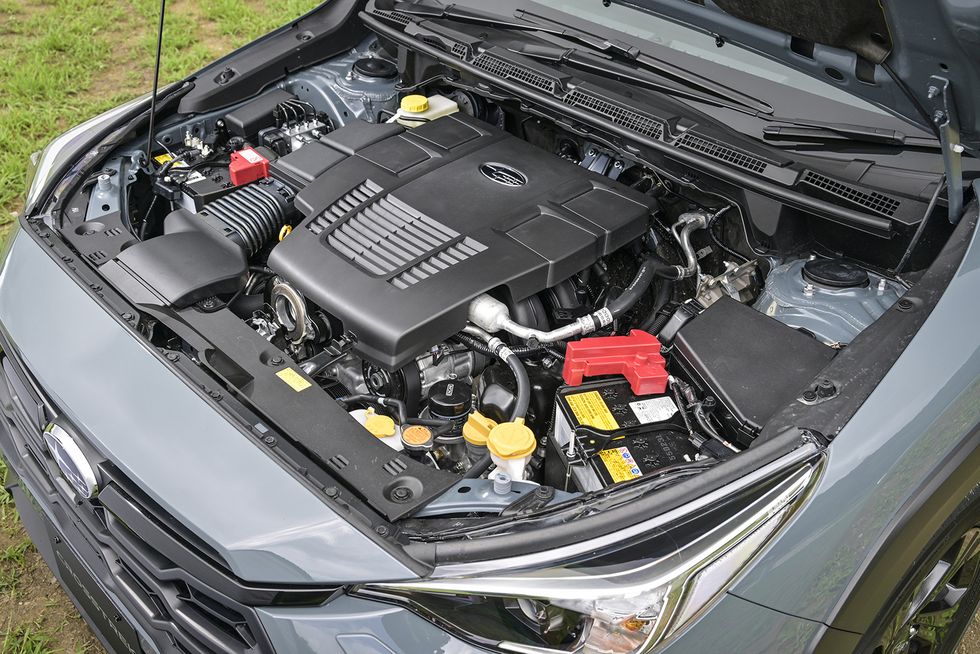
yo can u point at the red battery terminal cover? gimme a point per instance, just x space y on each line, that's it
636 357
246 166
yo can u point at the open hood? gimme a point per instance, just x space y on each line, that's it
915 57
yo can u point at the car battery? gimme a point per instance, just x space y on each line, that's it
615 436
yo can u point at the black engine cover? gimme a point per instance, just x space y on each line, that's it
404 227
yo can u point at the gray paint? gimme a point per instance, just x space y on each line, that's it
734 625
926 404
200 468
834 315
349 97
351 625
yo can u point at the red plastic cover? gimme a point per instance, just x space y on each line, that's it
636 357
246 166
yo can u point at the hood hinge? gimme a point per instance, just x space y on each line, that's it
940 94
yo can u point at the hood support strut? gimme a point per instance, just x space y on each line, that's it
940 94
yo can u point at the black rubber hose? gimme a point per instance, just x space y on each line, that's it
520 350
658 323
664 293
520 409
380 400
652 266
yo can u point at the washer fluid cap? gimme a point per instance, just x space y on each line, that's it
414 104
511 440
380 425
835 273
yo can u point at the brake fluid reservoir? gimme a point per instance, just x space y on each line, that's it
416 110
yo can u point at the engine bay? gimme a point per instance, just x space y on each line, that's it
431 288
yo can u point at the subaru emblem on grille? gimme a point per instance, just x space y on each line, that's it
75 468
503 174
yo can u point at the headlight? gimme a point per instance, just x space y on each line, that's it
50 161
619 602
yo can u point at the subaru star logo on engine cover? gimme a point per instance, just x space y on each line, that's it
71 461
503 174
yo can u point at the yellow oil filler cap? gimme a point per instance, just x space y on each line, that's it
379 425
511 440
477 428
414 104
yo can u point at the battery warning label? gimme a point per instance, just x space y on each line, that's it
620 464
591 410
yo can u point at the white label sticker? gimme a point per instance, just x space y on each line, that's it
657 409
250 155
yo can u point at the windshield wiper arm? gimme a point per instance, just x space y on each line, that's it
676 81
610 68
822 132
429 9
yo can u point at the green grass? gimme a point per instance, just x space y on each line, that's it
67 60
62 62
26 640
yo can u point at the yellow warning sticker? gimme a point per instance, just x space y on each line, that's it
165 157
620 464
590 409
294 379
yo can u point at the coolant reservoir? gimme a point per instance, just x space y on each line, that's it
418 109
380 426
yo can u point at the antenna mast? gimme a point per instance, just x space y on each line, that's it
156 83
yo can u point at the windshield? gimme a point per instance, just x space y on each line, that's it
811 97
699 44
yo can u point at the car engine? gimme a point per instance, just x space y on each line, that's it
418 222
429 283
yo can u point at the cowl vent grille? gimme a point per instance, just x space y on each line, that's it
501 68
722 152
393 16
628 118
877 202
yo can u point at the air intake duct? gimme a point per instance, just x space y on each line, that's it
252 215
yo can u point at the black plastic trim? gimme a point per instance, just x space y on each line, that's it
865 222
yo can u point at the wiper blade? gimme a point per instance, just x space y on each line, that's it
430 9
633 62
610 68
823 132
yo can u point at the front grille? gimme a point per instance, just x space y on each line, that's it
389 238
177 587
722 153
198 619
501 68
628 118
877 202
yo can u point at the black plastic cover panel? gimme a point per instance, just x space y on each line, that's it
753 364
413 224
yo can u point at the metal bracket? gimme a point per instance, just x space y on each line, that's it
943 108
